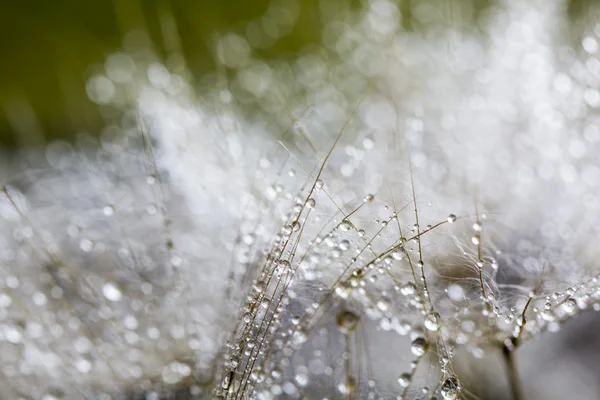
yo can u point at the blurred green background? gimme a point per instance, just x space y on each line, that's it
49 46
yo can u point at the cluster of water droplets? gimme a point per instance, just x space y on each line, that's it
187 250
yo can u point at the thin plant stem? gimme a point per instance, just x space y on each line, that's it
512 373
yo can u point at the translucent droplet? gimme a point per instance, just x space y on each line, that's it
345 225
347 321
419 346
175 372
5 300
432 321
398 255
384 303
408 289
12 334
296 226
111 292
404 379
451 218
259 286
226 382
100 89
300 337
130 322
247 317
86 245
347 386
343 290
301 379
569 305
83 365
310 203
450 389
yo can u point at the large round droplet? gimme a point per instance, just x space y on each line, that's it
300 337
450 389
408 289
347 321
419 346
569 306
347 386
432 321
404 379
345 225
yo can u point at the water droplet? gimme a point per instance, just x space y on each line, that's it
408 289
345 225
300 337
419 346
287 229
259 286
111 292
398 254
227 380
384 303
301 379
450 389
83 365
175 372
343 290
310 203
5 300
569 305
12 334
404 379
451 218
432 321
86 245
296 226
347 321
